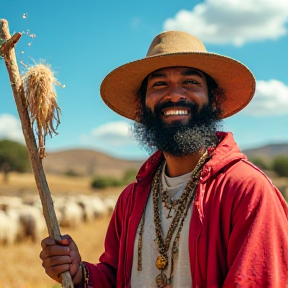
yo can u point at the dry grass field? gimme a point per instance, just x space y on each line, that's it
20 264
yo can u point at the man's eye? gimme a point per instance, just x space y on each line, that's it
159 83
191 81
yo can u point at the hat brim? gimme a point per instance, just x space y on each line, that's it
119 88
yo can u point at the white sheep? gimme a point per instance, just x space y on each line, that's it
10 229
32 222
110 202
85 203
69 213
99 207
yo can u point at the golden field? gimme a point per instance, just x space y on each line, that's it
20 264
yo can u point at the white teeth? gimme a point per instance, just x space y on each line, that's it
175 112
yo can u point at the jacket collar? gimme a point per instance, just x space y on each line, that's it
225 153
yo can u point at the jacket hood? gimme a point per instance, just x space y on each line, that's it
225 153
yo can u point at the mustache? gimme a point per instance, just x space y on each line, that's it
190 105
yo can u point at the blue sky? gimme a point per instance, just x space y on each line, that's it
84 40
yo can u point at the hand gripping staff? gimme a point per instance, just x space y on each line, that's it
36 154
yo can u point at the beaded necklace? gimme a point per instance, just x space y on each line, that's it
168 202
183 204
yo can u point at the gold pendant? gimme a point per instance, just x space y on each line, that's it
161 262
161 280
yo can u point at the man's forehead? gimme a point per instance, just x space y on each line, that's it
183 70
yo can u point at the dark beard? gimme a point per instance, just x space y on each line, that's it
177 139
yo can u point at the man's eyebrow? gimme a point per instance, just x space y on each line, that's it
191 72
156 74
186 72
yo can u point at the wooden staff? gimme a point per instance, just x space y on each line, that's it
7 51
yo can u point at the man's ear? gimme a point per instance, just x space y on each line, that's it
219 98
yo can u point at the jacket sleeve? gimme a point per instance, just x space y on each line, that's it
104 273
257 251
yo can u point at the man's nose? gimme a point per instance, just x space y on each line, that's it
175 94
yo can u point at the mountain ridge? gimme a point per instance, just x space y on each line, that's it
267 152
89 162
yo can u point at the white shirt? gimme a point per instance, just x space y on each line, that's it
182 272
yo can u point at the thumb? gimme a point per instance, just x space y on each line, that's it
65 240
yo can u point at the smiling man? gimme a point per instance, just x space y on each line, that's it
177 111
199 214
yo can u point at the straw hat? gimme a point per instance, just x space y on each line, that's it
174 48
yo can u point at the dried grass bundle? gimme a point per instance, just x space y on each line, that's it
39 86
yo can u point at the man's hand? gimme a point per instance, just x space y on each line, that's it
58 257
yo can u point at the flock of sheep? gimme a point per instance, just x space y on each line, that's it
22 218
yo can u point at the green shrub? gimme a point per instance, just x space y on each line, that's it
259 162
105 182
71 173
280 165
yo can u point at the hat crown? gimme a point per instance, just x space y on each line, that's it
174 42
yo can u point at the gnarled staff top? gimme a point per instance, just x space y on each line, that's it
6 41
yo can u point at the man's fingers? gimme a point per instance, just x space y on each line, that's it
47 242
59 256
56 261
54 250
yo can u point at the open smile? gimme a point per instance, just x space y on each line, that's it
176 112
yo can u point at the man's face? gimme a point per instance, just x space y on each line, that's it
177 117
173 89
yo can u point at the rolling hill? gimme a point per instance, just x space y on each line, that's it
268 152
86 162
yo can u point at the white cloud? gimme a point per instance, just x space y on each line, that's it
114 138
271 99
233 21
10 128
113 133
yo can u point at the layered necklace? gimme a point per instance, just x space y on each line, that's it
181 207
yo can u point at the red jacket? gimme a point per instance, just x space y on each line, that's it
238 232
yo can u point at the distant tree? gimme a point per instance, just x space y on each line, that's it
259 162
13 157
280 165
